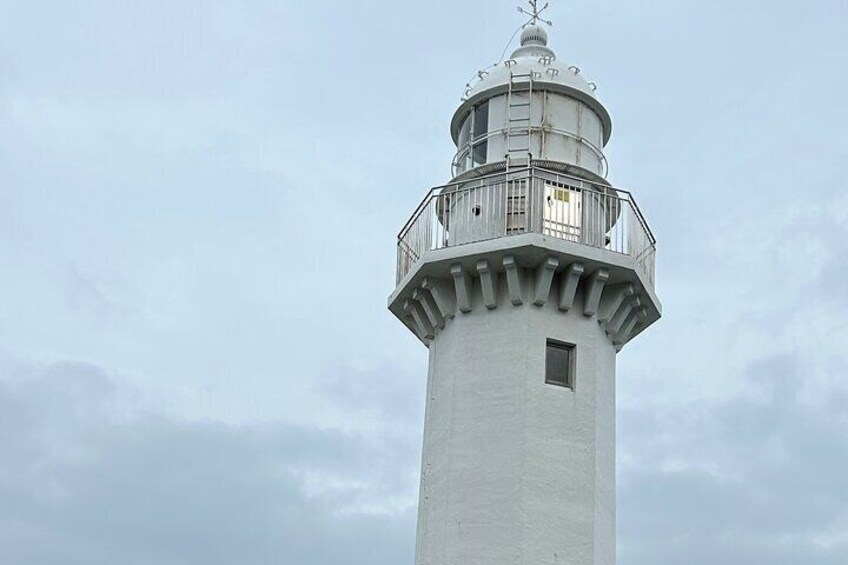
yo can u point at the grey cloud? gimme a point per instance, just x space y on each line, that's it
392 395
756 479
83 482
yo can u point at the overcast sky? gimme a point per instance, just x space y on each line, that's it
198 210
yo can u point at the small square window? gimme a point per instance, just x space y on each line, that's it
559 364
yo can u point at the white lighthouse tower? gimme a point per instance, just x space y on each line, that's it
525 275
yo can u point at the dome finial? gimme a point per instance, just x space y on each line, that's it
535 13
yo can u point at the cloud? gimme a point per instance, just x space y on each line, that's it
92 475
756 479
735 452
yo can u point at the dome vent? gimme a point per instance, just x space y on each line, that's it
534 35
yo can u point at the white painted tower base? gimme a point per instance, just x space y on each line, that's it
516 471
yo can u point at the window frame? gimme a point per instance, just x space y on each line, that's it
571 369
479 113
474 142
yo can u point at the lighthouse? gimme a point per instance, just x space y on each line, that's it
524 276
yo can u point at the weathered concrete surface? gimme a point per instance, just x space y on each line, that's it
516 471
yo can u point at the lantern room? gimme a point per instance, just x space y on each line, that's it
531 108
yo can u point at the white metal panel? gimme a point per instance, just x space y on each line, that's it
563 212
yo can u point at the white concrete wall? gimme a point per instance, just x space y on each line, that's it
553 111
516 471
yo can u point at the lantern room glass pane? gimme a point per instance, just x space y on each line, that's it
479 152
481 119
464 132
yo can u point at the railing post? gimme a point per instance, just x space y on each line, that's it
507 203
530 201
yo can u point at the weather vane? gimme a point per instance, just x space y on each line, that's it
535 13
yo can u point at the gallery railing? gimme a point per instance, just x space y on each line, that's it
530 200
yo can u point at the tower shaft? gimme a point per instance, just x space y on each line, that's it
515 470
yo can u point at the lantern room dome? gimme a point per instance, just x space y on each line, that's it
535 58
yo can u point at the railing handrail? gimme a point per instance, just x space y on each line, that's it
604 217
472 141
630 198
432 192
421 206
516 173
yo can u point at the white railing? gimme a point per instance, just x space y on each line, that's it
530 200
464 152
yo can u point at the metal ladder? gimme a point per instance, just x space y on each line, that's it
518 126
